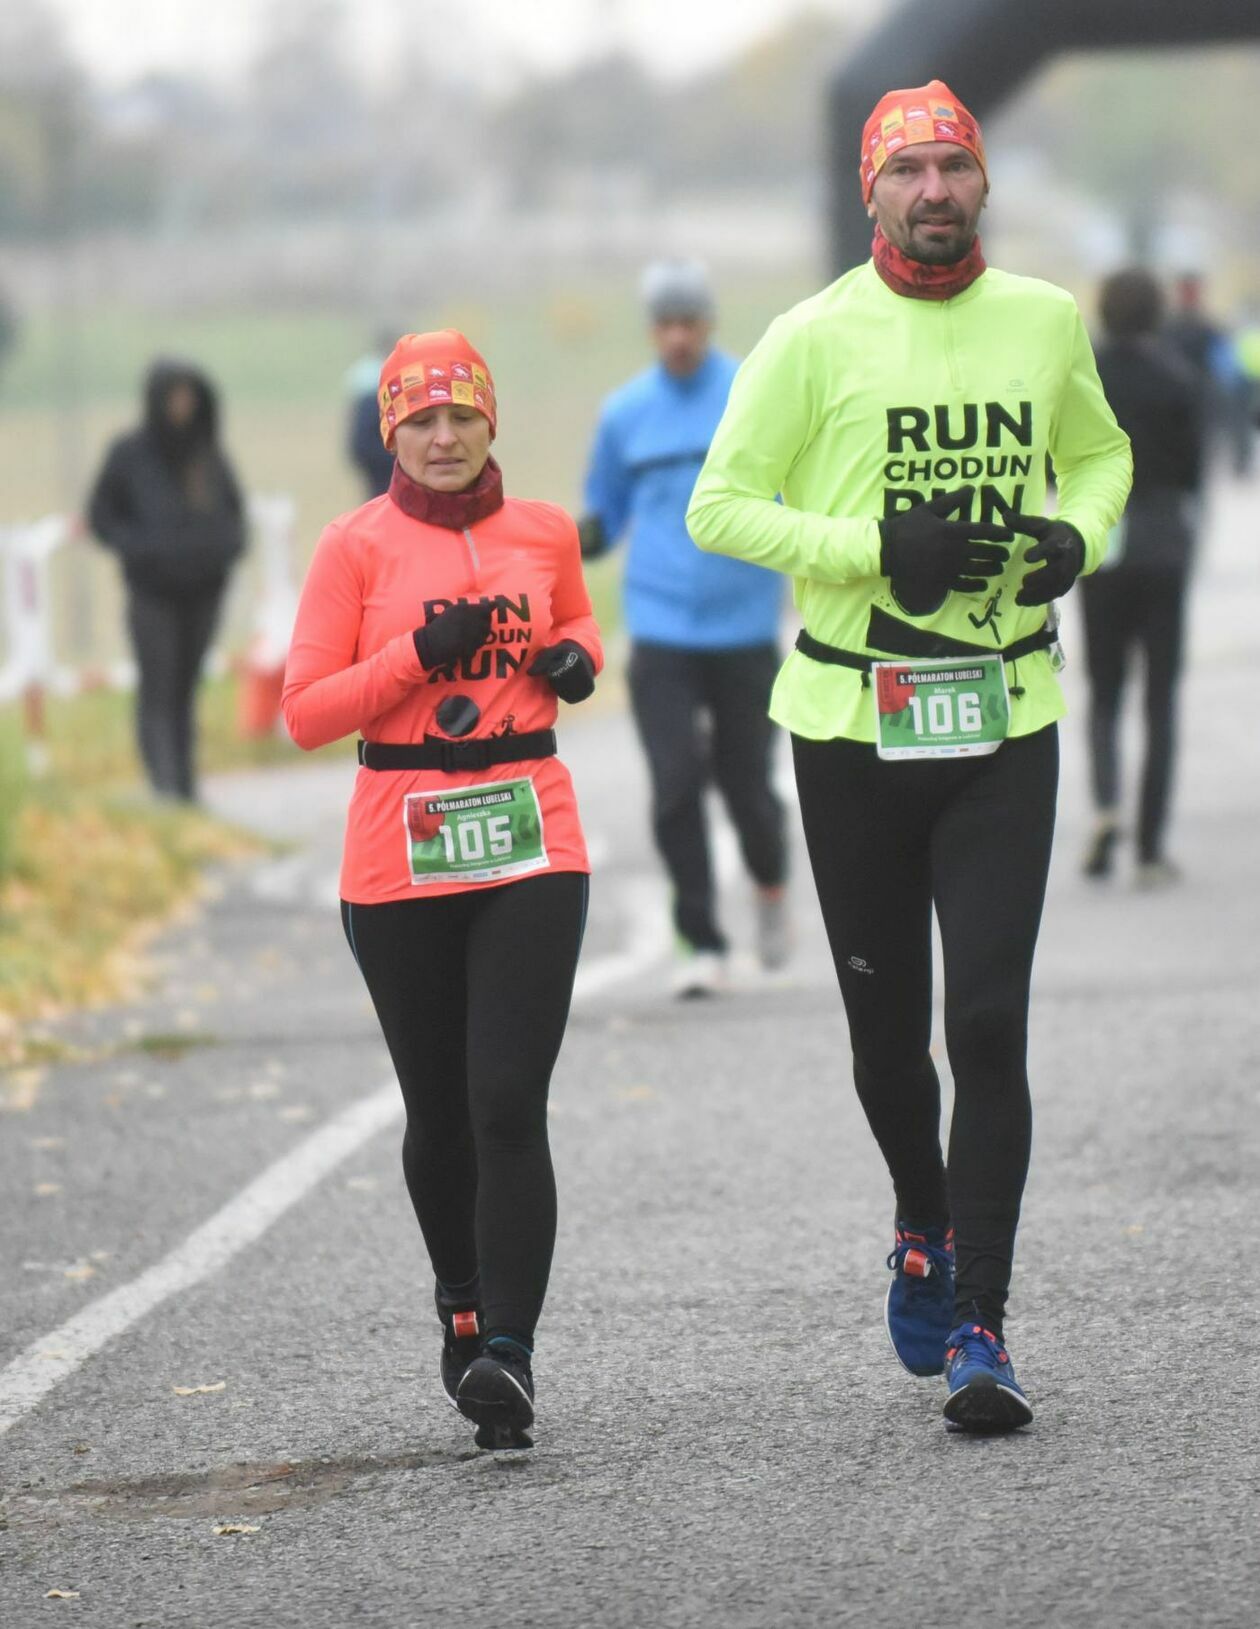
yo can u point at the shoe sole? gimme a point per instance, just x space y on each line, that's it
984 1406
499 1407
502 1437
919 1374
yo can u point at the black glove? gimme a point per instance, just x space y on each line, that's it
592 538
924 555
567 669
457 631
1061 547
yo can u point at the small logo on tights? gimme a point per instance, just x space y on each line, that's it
859 964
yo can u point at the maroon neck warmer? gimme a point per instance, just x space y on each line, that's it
916 281
454 510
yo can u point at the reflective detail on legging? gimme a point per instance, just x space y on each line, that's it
347 917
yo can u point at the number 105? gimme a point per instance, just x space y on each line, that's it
471 837
941 715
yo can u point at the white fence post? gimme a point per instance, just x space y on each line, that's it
262 675
30 665
30 668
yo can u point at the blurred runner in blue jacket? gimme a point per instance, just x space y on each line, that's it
703 627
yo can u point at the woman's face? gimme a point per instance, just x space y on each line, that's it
444 447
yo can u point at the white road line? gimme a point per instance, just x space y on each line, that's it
645 911
51 1359
54 1357
30 1376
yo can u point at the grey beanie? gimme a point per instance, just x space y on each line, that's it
678 289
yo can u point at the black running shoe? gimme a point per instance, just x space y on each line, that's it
461 1340
497 1394
461 1345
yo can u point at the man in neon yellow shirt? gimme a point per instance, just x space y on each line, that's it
904 415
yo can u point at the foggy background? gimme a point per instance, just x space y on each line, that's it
268 190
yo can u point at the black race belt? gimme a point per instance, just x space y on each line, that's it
889 634
453 756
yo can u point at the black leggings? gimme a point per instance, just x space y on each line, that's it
887 841
472 991
170 637
702 714
1126 609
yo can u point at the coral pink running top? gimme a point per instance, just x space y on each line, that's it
377 574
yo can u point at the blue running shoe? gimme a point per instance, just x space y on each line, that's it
919 1306
984 1395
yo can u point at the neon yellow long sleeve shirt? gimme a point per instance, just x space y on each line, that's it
858 403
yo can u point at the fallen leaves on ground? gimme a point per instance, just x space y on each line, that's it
64 944
19 1088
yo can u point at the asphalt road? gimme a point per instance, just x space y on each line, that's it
209 1197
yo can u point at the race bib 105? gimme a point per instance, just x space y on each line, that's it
474 833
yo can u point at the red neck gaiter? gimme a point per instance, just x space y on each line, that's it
916 281
454 510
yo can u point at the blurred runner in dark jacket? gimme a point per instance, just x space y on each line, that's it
167 503
364 448
1225 391
1136 601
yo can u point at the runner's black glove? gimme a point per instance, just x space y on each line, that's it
457 631
1061 547
924 555
567 669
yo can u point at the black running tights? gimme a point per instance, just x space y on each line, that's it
472 991
704 714
972 836
1126 609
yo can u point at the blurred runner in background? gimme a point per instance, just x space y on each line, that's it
364 447
1136 601
168 505
1224 390
703 631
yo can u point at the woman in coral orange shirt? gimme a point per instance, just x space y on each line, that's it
442 622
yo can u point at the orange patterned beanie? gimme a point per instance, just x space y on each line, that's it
429 370
901 118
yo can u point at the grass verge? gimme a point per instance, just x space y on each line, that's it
91 867
93 876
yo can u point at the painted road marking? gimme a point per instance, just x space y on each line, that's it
50 1360
54 1357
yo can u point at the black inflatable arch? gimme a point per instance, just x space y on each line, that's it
984 50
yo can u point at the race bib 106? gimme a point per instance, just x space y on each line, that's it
952 709
474 833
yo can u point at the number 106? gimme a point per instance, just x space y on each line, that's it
941 714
